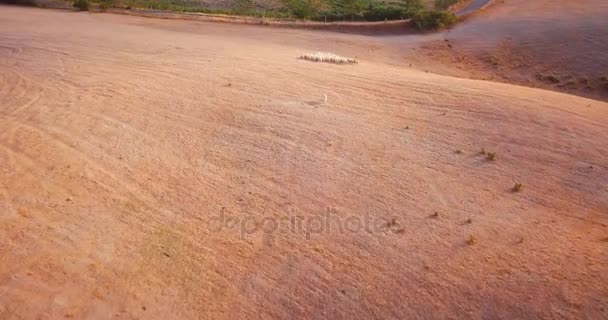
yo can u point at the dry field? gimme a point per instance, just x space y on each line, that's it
162 169
554 44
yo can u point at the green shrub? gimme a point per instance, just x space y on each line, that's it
349 9
20 2
517 187
383 12
29 3
433 20
366 10
317 10
303 9
105 4
243 6
82 5
444 4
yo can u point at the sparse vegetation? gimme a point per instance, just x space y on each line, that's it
435 215
469 221
392 222
82 5
104 5
458 151
551 78
304 9
568 84
517 187
366 10
471 240
490 156
433 20
604 82
394 226
20 2
445 4
492 60
316 10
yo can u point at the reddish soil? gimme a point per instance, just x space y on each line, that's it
558 45
152 169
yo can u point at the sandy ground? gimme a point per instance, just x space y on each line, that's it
154 169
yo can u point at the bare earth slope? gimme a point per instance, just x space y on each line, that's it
556 44
147 169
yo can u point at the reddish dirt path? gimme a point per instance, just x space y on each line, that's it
472 6
123 140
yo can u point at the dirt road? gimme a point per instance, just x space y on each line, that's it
472 6
156 169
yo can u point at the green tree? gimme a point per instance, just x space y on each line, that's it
350 8
304 9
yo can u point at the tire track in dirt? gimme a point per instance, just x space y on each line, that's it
11 50
18 96
131 191
6 201
234 125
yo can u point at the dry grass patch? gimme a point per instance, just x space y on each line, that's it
517 187
328 57
471 240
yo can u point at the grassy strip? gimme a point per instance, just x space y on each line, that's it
433 20
314 10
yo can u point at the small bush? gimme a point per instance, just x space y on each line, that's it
392 11
106 4
20 2
243 6
491 156
364 10
471 240
445 4
379 13
29 3
551 78
82 5
517 187
433 20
